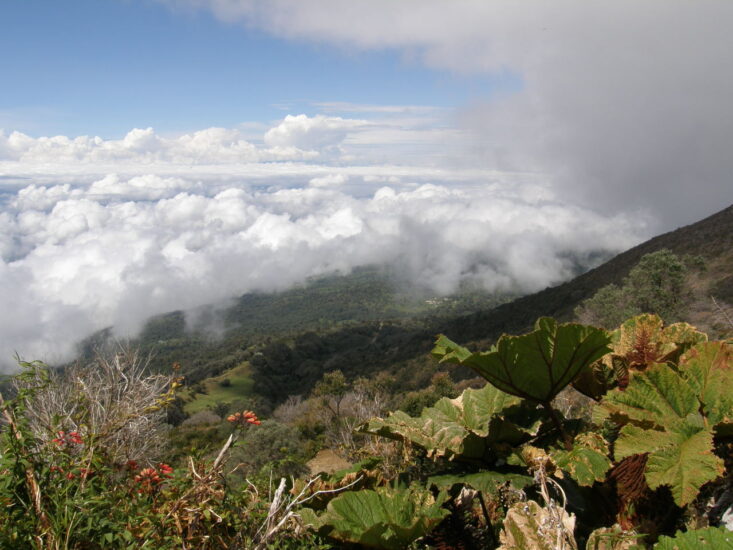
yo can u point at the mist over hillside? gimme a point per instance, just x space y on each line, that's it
79 258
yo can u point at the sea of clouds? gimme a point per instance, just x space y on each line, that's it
97 233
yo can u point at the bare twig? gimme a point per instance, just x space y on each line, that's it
114 398
564 537
722 311
282 510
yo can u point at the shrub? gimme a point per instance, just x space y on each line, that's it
655 285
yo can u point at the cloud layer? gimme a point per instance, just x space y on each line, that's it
96 233
622 103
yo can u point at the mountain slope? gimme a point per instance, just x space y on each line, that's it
711 238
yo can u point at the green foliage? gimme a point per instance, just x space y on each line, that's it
587 462
608 307
488 482
232 385
270 449
502 460
386 518
456 427
672 415
441 386
710 538
638 343
655 285
535 366
671 404
65 490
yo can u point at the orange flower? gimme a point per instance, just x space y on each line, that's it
243 418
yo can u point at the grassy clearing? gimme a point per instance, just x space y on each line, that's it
239 386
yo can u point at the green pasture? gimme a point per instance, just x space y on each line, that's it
239 385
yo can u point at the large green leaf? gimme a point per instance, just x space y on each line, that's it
659 396
708 368
486 482
587 462
535 366
711 538
385 518
680 456
458 426
663 414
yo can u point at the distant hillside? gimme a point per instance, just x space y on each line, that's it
360 325
711 238
216 338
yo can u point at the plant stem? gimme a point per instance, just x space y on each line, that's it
489 527
558 424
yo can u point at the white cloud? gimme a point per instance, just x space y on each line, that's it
621 103
329 180
81 256
209 146
311 133
97 232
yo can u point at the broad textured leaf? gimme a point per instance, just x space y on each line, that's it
685 465
487 482
680 457
385 518
528 525
534 366
685 335
708 368
640 340
454 426
656 396
663 410
711 538
587 462
432 431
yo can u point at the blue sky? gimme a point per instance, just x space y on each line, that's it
91 67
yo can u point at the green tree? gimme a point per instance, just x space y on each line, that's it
655 285
332 389
441 386
272 447
608 307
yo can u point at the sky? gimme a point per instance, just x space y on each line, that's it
165 154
